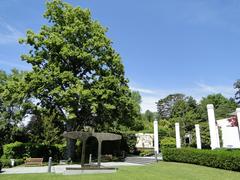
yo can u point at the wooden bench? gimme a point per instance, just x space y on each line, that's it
34 161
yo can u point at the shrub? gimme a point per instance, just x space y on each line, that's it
20 150
146 152
7 162
128 142
168 142
14 150
223 159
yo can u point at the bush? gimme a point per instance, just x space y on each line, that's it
128 142
19 150
14 150
168 142
146 152
223 159
0 166
7 162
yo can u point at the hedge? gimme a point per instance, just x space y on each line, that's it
223 158
19 150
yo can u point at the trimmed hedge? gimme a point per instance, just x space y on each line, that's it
223 158
19 150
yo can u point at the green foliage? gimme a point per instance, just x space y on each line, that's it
1 165
20 150
45 127
223 106
179 108
14 105
14 150
224 159
168 142
146 152
205 136
128 142
136 97
6 163
165 105
76 71
147 118
185 110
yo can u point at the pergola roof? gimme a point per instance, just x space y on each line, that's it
85 135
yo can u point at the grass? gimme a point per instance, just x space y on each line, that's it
162 170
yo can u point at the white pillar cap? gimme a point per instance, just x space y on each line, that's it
210 106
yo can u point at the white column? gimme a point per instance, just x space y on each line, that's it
156 143
214 136
198 136
238 118
217 136
178 138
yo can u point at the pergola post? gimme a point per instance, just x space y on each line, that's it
99 152
83 152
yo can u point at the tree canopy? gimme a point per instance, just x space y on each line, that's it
165 105
76 71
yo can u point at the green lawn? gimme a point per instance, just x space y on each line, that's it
162 170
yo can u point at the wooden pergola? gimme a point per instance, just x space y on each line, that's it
83 137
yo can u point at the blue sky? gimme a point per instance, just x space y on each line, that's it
167 46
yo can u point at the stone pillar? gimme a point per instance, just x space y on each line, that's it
99 152
214 136
156 143
198 136
178 137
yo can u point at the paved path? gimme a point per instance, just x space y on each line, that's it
57 168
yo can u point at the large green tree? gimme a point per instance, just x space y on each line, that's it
14 105
76 71
186 112
165 105
223 106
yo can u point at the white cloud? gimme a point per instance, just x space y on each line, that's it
8 34
141 90
198 91
149 103
202 90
